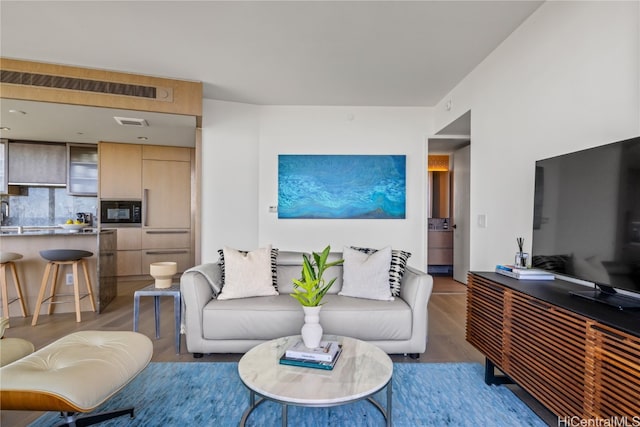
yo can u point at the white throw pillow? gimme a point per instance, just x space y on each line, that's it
247 274
366 275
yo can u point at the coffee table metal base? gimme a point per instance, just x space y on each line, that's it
253 404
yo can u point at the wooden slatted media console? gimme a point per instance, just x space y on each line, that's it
579 359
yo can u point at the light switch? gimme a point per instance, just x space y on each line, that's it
482 220
273 209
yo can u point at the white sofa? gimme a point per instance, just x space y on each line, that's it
235 326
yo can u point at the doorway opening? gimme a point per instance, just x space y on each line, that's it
448 183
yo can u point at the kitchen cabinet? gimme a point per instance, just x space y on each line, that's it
166 183
166 245
166 193
164 152
162 175
82 166
129 251
32 163
3 166
120 171
138 248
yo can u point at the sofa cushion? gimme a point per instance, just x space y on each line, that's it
396 271
274 265
366 319
260 318
265 318
366 275
247 274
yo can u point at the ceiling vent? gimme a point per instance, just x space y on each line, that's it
126 121
85 85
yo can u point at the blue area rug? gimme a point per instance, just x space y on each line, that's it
211 394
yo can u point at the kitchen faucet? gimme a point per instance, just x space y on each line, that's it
4 212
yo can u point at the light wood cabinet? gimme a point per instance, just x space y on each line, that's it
129 251
574 364
129 238
166 245
120 171
167 194
129 263
181 256
166 239
162 152
161 176
440 248
138 247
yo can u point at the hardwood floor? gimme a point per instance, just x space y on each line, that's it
447 313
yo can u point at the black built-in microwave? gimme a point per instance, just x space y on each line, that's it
124 212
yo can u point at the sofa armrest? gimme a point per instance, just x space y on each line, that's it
416 287
196 291
416 290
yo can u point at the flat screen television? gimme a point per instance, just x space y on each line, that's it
586 223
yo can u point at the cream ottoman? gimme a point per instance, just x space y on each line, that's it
75 374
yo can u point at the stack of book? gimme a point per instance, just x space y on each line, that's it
323 357
523 273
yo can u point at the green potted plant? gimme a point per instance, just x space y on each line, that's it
309 291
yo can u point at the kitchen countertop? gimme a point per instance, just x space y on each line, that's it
46 231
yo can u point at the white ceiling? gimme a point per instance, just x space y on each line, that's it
42 121
357 53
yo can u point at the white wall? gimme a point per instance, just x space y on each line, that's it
230 133
240 151
568 78
345 130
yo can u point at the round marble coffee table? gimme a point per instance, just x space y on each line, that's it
361 371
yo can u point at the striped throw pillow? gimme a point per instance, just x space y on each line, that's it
274 265
396 271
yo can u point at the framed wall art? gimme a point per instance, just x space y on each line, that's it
341 186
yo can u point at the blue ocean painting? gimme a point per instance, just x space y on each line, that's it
341 186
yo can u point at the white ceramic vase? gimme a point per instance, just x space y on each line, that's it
311 330
163 273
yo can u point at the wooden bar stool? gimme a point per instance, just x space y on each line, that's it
56 258
7 263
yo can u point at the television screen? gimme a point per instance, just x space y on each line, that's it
587 215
